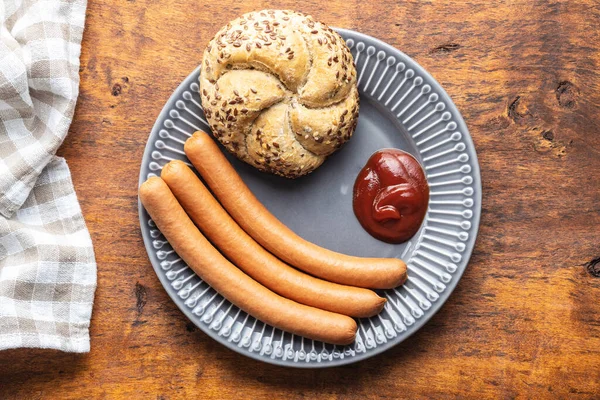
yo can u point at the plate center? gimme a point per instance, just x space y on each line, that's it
318 206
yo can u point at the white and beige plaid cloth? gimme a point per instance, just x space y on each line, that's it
47 264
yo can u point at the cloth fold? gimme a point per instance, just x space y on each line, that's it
47 264
47 268
40 43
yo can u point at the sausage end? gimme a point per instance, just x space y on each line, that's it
199 138
172 167
397 275
369 307
350 333
147 188
378 306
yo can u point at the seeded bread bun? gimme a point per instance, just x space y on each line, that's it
279 91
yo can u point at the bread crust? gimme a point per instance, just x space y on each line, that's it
279 91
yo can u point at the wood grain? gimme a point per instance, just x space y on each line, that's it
525 319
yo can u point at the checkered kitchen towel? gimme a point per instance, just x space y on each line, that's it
47 265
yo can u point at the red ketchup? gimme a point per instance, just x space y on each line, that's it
391 195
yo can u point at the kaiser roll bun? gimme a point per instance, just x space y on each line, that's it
279 91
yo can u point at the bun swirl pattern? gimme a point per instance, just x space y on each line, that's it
279 91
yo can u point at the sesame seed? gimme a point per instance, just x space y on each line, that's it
253 90
237 44
314 32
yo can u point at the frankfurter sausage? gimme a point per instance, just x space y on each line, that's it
232 283
272 234
253 259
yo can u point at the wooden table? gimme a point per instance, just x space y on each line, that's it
525 318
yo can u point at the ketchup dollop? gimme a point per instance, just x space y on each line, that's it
391 195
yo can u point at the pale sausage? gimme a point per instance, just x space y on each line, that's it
232 283
253 259
272 234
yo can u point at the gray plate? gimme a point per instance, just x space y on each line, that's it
401 106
